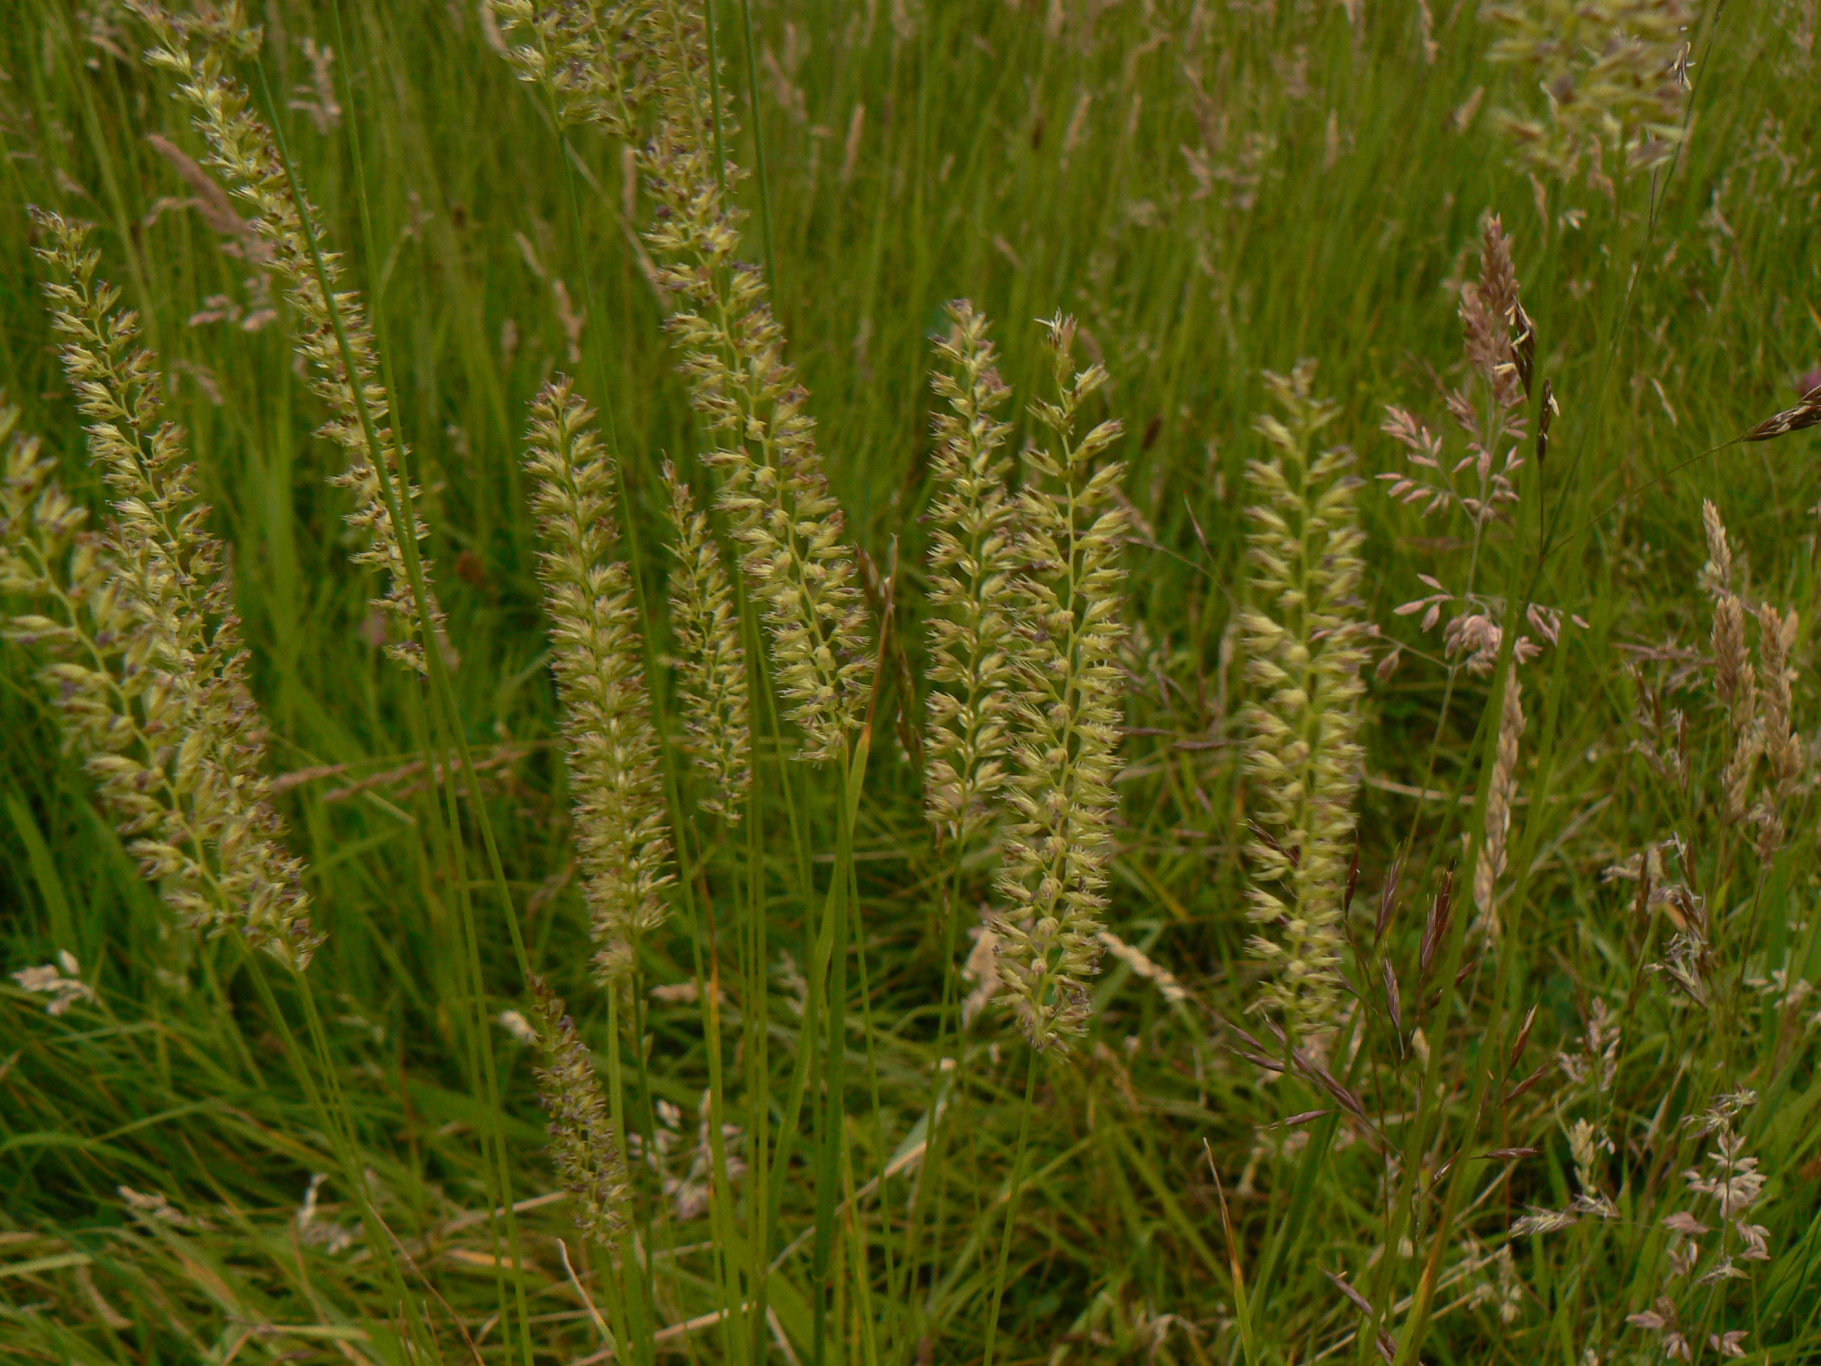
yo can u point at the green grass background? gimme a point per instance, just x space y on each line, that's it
1032 157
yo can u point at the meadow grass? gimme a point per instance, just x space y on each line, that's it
1417 948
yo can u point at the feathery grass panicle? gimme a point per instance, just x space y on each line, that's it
584 1144
711 662
1491 864
1494 328
151 679
773 490
1735 678
612 746
1305 656
1490 412
241 146
590 56
1052 881
1614 74
1758 699
973 563
1715 578
1780 742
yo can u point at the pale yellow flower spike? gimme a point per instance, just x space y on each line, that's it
149 671
584 1142
611 745
242 148
1052 885
711 664
973 574
1305 656
621 67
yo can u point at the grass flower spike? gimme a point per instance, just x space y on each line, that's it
243 149
1491 864
773 489
711 662
1052 883
150 672
584 1144
1305 660
973 585
612 747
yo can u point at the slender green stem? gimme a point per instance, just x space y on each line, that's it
758 138
404 520
1011 1205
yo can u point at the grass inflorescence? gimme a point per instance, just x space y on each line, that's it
1079 682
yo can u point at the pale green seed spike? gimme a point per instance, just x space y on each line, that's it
149 671
611 746
241 146
711 663
1304 646
973 565
1051 887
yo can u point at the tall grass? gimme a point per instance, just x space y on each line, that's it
861 836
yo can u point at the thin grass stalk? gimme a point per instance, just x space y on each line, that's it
672 790
933 1173
831 957
756 1018
857 1252
870 1034
1011 1205
1495 1027
758 143
645 1100
1420 1132
633 1290
700 914
934 1170
398 504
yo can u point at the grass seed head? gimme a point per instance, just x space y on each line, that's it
611 746
1305 652
197 50
640 71
584 1143
1051 885
1613 75
149 671
711 661
973 567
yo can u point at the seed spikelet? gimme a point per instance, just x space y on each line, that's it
1051 886
584 1145
1305 654
612 747
241 146
973 567
711 663
149 677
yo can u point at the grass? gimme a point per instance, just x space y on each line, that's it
1214 191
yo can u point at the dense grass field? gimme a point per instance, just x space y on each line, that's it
1552 1095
